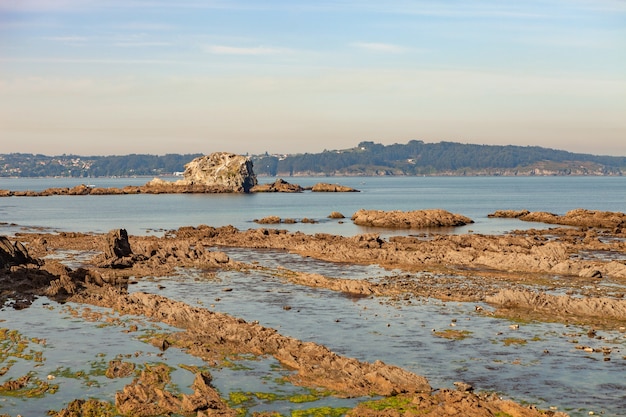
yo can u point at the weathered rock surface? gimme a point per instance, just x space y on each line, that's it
564 305
147 396
229 170
409 219
219 172
278 186
499 270
13 253
578 217
447 402
117 251
323 187
217 333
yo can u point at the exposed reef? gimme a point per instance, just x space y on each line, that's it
573 274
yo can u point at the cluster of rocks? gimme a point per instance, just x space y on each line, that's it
278 220
219 172
417 219
498 270
282 186
578 217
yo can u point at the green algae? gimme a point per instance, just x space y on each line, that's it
68 373
402 404
237 398
86 408
27 386
453 334
320 412
514 341
250 399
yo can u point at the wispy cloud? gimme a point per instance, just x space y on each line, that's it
380 47
89 61
67 39
141 44
237 50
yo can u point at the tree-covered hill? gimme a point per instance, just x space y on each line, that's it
367 158
29 165
443 158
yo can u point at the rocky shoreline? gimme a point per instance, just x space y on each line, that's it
573 273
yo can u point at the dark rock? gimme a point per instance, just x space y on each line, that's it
13 254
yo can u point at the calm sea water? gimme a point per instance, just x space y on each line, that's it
474 197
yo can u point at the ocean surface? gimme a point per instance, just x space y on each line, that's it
566 379
474 197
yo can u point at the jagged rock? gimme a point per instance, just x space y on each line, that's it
12 254
119 369
117 251
332 188
206 398
278 186
234 172
409 219
117 244
15 384
80 408
577 217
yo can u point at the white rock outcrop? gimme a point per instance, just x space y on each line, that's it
217 172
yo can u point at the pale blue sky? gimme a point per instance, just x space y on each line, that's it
101 77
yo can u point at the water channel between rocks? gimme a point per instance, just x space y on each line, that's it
536 363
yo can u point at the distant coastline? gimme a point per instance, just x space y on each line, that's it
367 159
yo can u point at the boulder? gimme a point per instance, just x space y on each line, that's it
336 215
224 169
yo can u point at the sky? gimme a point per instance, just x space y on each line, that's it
114 77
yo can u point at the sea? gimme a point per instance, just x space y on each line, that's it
474 197
537 363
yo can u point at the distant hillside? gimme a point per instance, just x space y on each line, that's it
443 158
366 159
29 165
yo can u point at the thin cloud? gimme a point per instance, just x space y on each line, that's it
141 44
89 61
380 47
66 39
236 50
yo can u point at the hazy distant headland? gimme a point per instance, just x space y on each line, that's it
414 158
